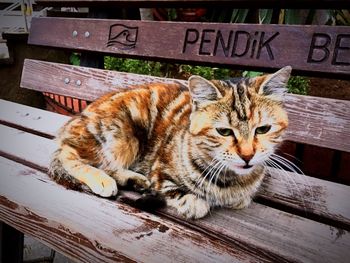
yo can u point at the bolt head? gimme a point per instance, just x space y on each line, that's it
87 34
75 33
78 82
66 80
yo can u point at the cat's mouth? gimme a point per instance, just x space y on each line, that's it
241 169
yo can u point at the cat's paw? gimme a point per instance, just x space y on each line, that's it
139 183
136 181
102 185
190 206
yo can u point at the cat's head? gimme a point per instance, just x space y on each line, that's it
239 121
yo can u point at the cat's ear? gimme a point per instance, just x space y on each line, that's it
202 91
274 85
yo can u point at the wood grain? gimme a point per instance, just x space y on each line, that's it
316 121
308 49
31 119
91 229
203 3
113 231
311 197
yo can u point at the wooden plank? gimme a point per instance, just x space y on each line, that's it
265 233
203 3
310 196
27 148
31 119
316 121
308 49
91 229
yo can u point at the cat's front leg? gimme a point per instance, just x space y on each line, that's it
125 177
189 205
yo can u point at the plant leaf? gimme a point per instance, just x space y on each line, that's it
265 16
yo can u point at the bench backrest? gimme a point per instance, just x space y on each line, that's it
310 50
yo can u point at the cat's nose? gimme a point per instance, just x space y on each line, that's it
247 158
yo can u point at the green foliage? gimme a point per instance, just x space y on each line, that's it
207 72
338 17
265 16
298 85
133 66
239 15
251 74
74 59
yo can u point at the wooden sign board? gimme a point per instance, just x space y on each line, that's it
317 49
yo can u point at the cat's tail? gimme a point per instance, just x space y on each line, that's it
58 173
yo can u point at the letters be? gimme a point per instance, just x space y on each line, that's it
320 49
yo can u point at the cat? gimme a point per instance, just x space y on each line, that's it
199 147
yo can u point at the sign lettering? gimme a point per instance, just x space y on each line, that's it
322 48
238 43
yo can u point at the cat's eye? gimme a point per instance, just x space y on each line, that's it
262 129
224 131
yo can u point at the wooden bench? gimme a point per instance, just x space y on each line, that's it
295 218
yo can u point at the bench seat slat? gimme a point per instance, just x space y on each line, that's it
316 121
311 196
91 229
266 233
30 119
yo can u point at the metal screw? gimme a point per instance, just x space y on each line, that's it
66 80
78 82
87 34
75 33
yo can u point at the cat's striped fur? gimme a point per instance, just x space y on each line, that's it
199 148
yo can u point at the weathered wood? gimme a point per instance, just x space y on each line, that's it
309 196
305 238
262 232
203 3
317 49
319 121
316 121
31 119
91 229
32 150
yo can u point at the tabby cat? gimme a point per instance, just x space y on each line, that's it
199 146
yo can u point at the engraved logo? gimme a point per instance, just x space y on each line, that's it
123 37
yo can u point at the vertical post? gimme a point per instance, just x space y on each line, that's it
91 59
95 60
11 244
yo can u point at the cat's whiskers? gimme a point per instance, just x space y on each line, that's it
217 171
286 177
290 165
270 164
212 166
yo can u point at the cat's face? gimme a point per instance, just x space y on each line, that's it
239 123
